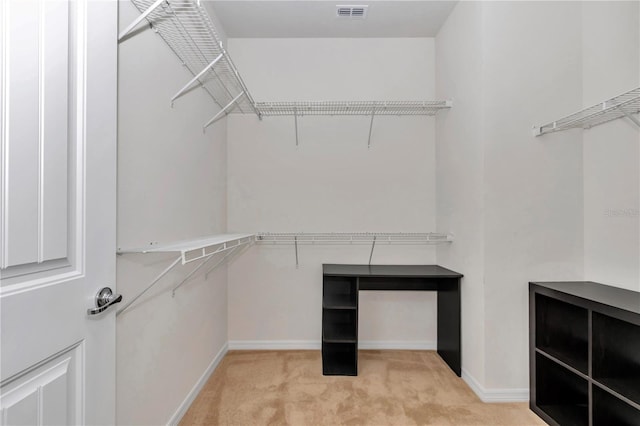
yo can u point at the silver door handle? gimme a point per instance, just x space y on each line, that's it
104 299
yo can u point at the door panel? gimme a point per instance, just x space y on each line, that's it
48 394
54 134
57 211
36 93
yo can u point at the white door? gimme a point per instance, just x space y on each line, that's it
57 212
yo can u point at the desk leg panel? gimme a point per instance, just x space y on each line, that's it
449 324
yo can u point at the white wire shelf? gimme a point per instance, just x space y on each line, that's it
195 249
187 29
353 238
204 248
625 105
190 33
266 109
337 238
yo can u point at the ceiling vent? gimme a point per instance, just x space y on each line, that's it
352 11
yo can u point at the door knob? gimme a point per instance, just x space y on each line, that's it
104 299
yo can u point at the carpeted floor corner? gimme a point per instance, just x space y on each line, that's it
392 388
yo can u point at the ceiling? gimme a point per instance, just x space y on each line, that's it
317 18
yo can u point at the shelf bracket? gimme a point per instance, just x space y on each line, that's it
190 274
219 262
139 19
373 114
194 79
373 246
222 111
630 117
295 241
155 280
295 121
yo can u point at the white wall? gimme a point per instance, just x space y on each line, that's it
558 207
531 188
171 186
460 170
330 183
611 57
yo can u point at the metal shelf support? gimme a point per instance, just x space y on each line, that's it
222 111
631 117
140 18
204 249
373 114
295 121
153 282
373 245
222 259
194 79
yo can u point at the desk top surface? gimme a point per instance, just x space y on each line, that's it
431 271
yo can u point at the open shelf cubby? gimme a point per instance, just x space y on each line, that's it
339 293
561 393
339 359
609 410
339 325
562 331
616 355
584 353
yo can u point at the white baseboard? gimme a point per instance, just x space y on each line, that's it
273 345
287 345
495 395
193 393
413 345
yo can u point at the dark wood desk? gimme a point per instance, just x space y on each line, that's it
340 287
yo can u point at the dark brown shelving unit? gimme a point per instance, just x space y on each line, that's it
611 410
584 353
340 326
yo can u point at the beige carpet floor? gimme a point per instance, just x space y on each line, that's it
392 388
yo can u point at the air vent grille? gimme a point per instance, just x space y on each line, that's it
352 11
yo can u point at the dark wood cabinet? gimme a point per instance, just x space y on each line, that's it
584 353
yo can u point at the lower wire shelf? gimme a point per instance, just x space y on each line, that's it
203 248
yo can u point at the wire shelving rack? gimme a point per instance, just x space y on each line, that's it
625 105
348 238
353 238
189 32
204 249
352 108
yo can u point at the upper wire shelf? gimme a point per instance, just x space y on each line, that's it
352 108
624 105
189 32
